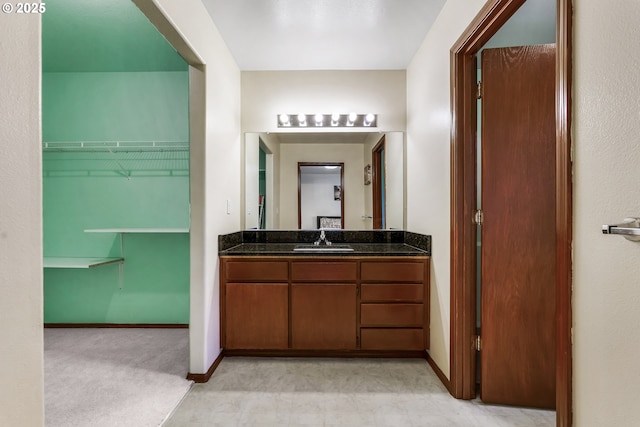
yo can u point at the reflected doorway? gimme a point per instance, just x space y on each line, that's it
262 188
378 182
320 195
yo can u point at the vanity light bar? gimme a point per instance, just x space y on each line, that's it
327 120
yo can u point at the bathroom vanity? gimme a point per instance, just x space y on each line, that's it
368 295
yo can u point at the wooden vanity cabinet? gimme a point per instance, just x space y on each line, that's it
351 304
255 312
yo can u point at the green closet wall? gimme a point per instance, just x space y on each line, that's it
99 189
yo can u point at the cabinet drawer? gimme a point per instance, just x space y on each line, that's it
391 339
392 271
392 292
323 271
392 314
258 271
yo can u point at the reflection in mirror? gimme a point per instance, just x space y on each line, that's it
379 188
271 178
320 196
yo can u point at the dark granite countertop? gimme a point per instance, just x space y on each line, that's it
364 243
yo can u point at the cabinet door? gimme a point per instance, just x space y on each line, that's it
256 316
323 316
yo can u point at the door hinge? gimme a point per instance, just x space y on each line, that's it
479 91
477 343
478 217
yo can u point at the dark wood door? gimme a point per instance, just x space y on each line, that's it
323 316
518 231
256 316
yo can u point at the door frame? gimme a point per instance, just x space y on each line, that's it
463 182
339 164
376 160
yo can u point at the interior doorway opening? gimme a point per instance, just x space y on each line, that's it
320 195
378 158
533 24
464 236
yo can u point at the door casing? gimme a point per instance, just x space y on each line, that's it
463 187
376 155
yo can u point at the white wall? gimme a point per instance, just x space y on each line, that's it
353 191
216 175
265 94
394 181
606 285
21 315
429 156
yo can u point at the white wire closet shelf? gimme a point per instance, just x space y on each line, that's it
115 146
115 158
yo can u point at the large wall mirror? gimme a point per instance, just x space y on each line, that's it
372 193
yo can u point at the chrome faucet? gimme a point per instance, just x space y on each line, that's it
322 238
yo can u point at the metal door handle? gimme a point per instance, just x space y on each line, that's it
629 229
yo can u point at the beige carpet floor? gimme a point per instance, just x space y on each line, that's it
280 392
114 377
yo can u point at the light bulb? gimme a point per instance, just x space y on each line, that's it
352 119
369 119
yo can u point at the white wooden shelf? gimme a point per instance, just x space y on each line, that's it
71 262
137 230
94 262
123 231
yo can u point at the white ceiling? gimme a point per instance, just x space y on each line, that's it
349 35
323 34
